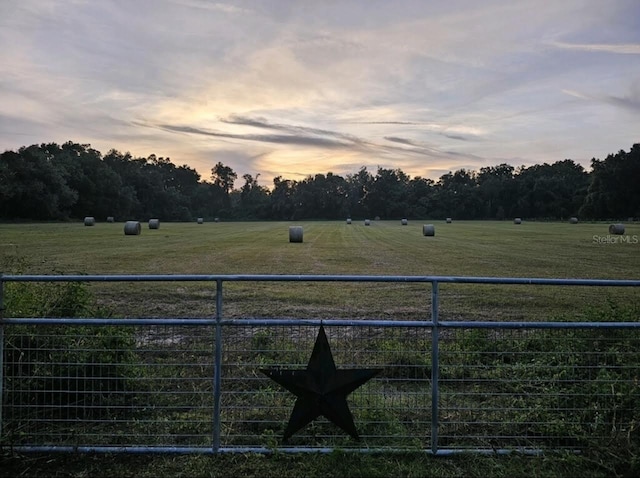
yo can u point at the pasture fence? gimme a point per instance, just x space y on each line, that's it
195 384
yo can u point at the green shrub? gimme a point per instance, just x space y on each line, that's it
75 370
575 386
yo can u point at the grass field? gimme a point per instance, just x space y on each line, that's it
532 249
474 248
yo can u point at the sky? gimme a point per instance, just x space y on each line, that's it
297 88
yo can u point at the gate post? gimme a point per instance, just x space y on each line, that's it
434 367
217 369
1 349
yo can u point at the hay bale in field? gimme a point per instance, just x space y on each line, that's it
132 228
517 220
200 220
154 223
295 233
573 220
448 220
348 220
216 219
404 222
428 230
617 229
367 222
111 219
89 221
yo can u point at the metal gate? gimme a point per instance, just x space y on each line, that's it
197 384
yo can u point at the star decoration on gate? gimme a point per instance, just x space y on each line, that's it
321 389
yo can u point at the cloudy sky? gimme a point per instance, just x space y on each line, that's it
293 88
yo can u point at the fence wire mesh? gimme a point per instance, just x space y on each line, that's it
153 386
392 409
108 385
544 388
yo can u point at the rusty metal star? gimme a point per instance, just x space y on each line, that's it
321 389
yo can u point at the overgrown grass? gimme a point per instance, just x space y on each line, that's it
79 370
562 387
384 248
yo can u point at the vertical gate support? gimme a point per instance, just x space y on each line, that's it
434 367
217 378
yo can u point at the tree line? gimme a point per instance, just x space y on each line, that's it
71 181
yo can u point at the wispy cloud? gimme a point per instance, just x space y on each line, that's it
621 49
400 140
291 139
292 129
229 7
389 122
629 101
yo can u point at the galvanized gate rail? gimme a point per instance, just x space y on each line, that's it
219 322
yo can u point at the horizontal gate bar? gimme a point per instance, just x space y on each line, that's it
267 450
317 322
318 278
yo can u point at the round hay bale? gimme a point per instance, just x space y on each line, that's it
367 222
154 223
295 233
348 220
89 221
517 220
404 222
428 230
200 220
216 219
132 228
111 219
573 220
617 229
448 220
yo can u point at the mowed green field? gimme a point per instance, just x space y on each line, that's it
474 248
462 248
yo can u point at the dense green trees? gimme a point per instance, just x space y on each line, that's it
614 189
70 181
